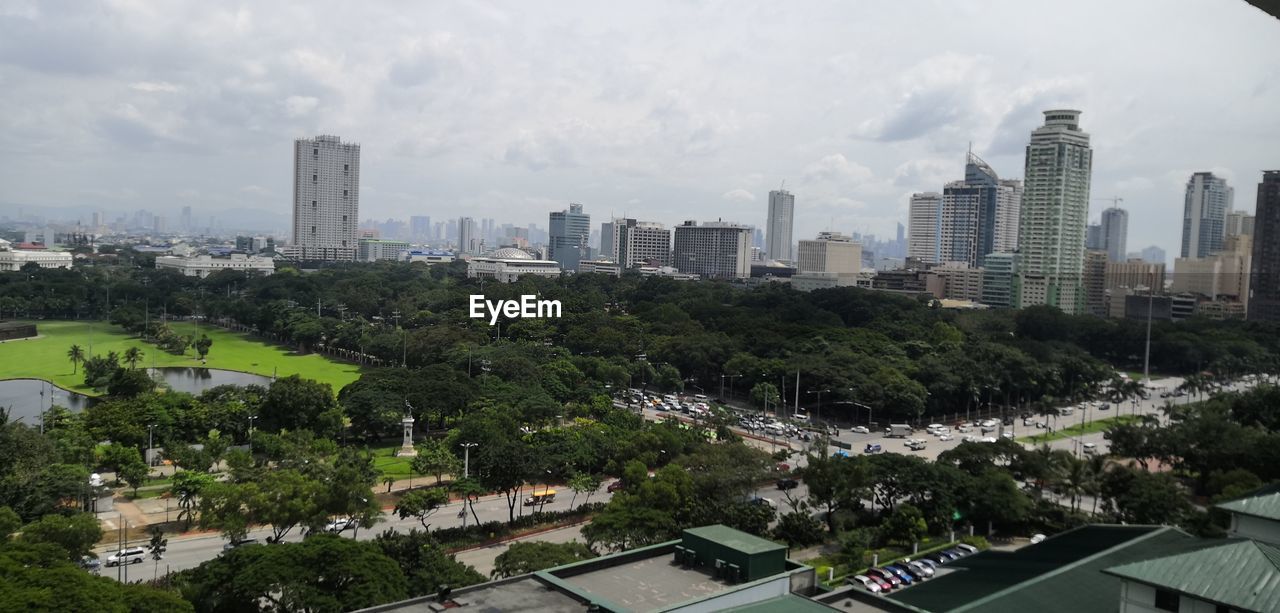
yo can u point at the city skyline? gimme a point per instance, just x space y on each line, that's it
615 128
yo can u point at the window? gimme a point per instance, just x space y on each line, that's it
313 229
313 204
346 167
1166 600
315 151
314 178
344 193
344 218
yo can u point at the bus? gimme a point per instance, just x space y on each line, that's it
538 497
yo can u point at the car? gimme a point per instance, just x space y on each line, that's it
923 570
891 578
1104 407
988 428
988 439
931 428
782 467
91 564
341 523
800 417
941 431
1038 538
964 428
1008 435
1043 425
871 448
615 486
906 577
939 557
969 439
130 555
927 562
916 575
239 543
764 502
1028 422
787 484
860 430
967 548
1091 448
916 444
955 554
869 584
989 423
946 437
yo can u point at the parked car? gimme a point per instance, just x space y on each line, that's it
891 578
919 568
946 437
906 577
1091 448
869 584
871 448
955 554
927 562
341 523
970 439
131 555
967 548
964 428
860 430
787 484
764 502
238 543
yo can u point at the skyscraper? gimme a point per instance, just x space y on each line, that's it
1093 237
570 237
831 253
420 227
1115 233
979 214
924 230
1055 209
715 249
1204 215
1095 282
468 236
1264 286
1239 223
326 199
782 214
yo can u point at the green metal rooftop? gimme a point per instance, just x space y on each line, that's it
735 539
1241 574
1266 506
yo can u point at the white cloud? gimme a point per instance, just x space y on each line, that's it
298 106
836 167
149 86
738 195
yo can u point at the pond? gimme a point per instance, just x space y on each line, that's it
25 398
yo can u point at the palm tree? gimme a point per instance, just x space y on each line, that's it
76 355
132 356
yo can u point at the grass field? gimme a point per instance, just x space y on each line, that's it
1097 425
45 357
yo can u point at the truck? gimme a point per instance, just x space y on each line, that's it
898 430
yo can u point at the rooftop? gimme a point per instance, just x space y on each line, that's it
735 539
647 584
526 593
1240 574
1265 504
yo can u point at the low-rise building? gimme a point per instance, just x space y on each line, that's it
607 267
204 265
810 281
509 264
427 256
16 259
666 272
380 249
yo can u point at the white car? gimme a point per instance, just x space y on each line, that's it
860 430
963 429
131 555
988 439
946 437
1091 448
970 439
867 583
340 524
989 423
800 417
1008 435
942 431
923 570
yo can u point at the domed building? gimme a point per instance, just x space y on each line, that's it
508 263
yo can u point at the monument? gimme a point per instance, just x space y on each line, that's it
406 449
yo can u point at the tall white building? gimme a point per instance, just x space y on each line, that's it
924 227
782 216
1239 223
831 252
1204 215
632 243
1055 209
326 199
1115 233
715 250
468 236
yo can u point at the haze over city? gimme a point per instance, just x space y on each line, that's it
662 112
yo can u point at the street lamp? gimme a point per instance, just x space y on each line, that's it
150 447
251 418
466 471
818 411
731 378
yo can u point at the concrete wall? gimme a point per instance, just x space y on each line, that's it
1141 598
1255 528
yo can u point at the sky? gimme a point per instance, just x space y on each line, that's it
660 111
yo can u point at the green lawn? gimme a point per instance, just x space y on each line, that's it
1097 425
388 465
45 357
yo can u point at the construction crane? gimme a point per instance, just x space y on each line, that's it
1115 201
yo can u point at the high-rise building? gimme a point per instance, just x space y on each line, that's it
714 250
186 219
1093 237
642 243
1204 215
468 236
1151 254
924 233
831 252
1224 275
326 198
569 240
1264 282
609 240
979 214
782 215
1239 223
420 227
1094 280
998 273
1055 209
1115 233
1135 274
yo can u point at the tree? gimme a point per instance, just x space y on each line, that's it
995 497
76 355
434 458
1139 497
38 577
835 483
424 563
905 525
525 557
135 474
132 356
75 534
9 523
583 483
295 403
421 504
765 394
116 456
187 487
202 345
798 528
129 383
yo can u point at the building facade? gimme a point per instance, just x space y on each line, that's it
1204 215
633 243
379 249
469 236
1115 233
979 215
924 227
569 238
714 250
1239 223
830 252
204 265
782 214
1055 209
1095 282
1264 282
15 259
508 264
1135 274
326 199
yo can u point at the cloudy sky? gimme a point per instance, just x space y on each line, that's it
660 111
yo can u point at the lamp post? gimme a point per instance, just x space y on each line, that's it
251 418
150 444
818 411
466 471
722 378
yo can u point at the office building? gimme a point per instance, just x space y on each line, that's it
1264 288
1135 274
979 215
1093 237
381 249
782 214
998 273
1152 254
830 252
713 250
633 243
1055 209
204 265
955 281
1204 215
1115 233
1221 276
607 267
924 230
469 236
569 238
326 199
1094 281
420 228
1239 223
